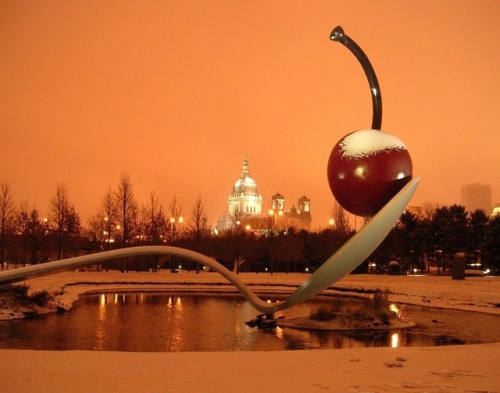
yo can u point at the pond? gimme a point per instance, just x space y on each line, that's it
168 322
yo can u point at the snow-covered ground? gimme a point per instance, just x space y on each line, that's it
466 368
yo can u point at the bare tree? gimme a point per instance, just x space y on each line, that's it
32 230
198 223
96 229
7 216
429 209
108 216
35 234
151 226
22 227
140 224
102 225
154 220
65 220
126 209
175 219
341 222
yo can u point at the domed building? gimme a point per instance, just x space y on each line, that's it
244 209
245 198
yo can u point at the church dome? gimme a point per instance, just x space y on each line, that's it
245 184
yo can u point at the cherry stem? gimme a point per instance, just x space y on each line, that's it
337 34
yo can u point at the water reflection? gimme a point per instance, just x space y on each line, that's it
303 339
394 340
158 322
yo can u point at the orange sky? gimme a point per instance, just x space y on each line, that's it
175 93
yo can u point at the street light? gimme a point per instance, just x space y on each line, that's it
271 221
173 227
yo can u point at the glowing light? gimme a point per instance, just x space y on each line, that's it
359 172
394 340
399 313
279 332
102 309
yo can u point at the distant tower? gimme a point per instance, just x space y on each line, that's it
304 206
278 202
245 198
477 196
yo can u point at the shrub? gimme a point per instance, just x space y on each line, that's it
15 294
324 312
41 298
380 302
366 309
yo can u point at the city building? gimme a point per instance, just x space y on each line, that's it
245 210
477 196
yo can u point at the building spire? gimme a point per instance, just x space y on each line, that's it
245 172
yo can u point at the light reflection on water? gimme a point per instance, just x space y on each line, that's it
160 322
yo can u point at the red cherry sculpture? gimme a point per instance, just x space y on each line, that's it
366 169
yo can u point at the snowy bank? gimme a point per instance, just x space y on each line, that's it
462 368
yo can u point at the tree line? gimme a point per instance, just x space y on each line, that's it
422 242
416 242
26 237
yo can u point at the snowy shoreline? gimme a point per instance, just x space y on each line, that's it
480 294
428 369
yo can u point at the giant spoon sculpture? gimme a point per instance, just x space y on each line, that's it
370 174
